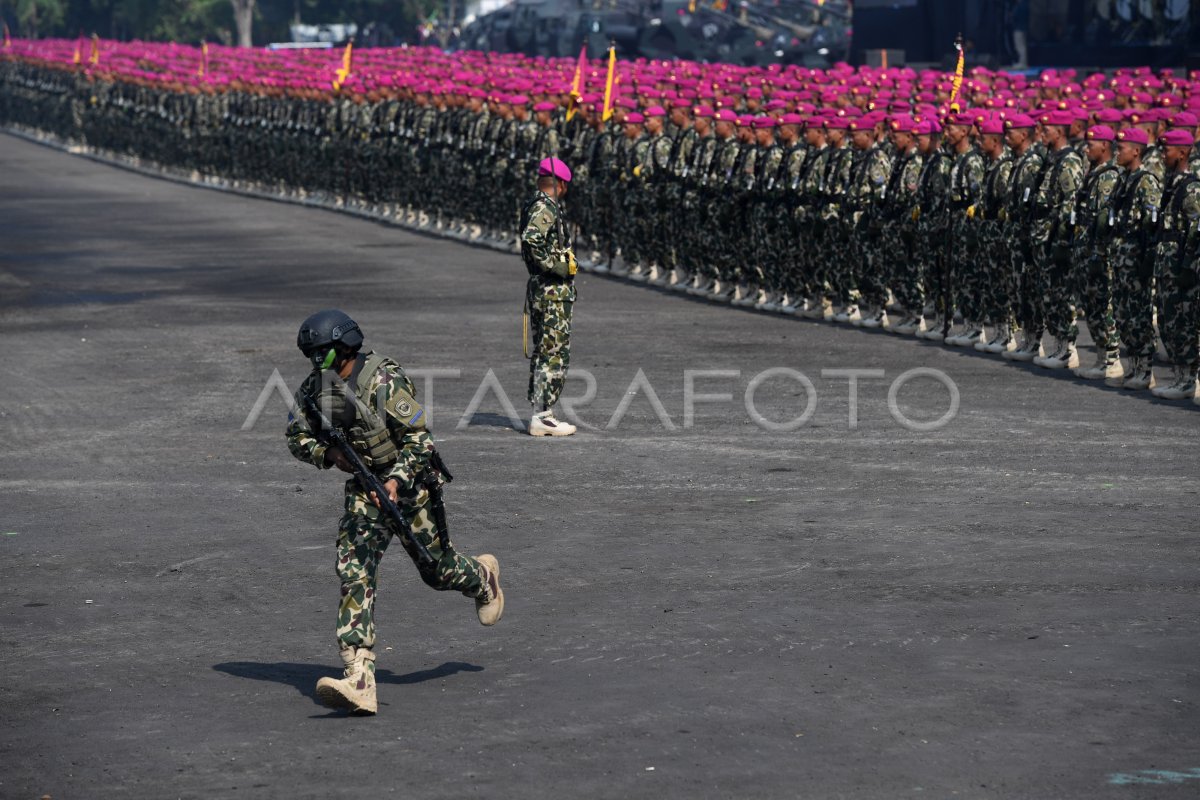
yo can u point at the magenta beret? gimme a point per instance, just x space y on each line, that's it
1101 133
556 167
1135 135
1176 138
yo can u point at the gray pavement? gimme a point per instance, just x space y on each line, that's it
1004 607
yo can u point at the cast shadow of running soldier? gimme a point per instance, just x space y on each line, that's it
303 677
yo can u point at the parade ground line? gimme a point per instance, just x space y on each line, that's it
1002 607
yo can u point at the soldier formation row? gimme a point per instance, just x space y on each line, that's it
841 201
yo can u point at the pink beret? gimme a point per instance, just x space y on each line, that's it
927 127
904 125
1058 117
725 115
764 122
1185 119
1109 116
1176 138
634 118
656 111
1101 133
837 123
555 167
992 127
702 111
791 119
545 106
1020 121
1134 135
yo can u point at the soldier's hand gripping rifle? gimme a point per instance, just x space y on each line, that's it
369 481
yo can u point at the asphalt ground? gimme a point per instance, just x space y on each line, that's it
1003 607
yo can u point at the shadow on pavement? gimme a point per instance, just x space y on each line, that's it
484 419
303 677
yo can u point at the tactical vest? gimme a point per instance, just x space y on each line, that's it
1175 227
1082 213
991 207
1123 199
350 408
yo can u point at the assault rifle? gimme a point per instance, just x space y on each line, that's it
368 480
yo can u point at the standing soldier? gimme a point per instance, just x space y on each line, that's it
1130 221
898 235
550 295
961 273
1031 316
1052 240
1178 268
995 276
370 399
927 216
869 173
1094 255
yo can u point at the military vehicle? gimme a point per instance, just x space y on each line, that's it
814 33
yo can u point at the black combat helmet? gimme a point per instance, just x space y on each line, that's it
324 331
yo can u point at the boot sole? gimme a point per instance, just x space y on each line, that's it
492 564
330 697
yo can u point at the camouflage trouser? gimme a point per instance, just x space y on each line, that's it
1096 290
906 271
1031 313
363 536
966 273
1179 306
997 288
1058 297
550 318
1133 294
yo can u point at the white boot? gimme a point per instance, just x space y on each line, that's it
1108 365
1063 356
355 691
1140 375
1182 388
1031 348
544 424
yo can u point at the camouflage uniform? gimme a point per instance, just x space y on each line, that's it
1051 234
550 296
1026 173
1130 222
964 272
992 259
898 236
1094 256
859 276
929 247
364 533
1178 270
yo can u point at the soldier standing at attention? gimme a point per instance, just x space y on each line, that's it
1178 268
370 399
549 296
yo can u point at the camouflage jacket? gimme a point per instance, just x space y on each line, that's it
1055 197
1179 226
386 388
1132 214
1089 218
544 245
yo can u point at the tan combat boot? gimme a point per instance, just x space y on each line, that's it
354 692
489 612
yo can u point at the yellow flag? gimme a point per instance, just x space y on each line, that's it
203 59
577 84
958 75
7 37
94 58
344 72
78 57
608 83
